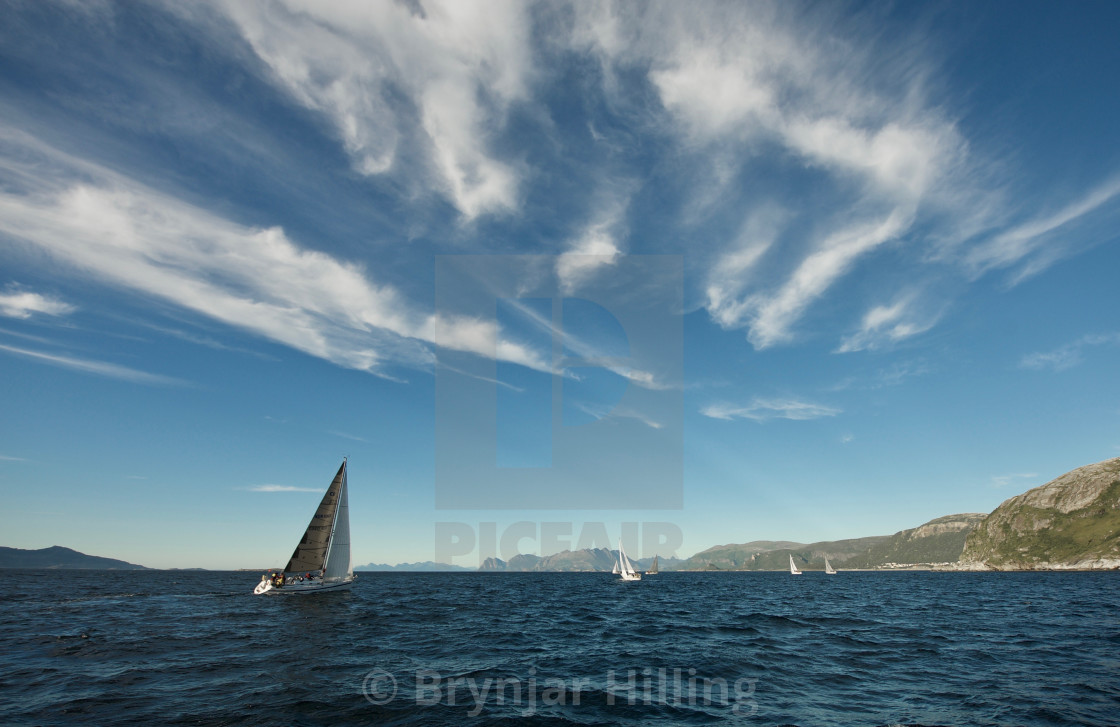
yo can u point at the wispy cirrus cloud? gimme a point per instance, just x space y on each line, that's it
1036 244
16 302
778 88
344 435
596 250
761 410
282 488
1069 355
257 279
884 325
1016 479
398 78
599 411
98 368
773 315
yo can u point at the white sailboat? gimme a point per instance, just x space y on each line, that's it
653 568
321 561
625 567
828 568
793 568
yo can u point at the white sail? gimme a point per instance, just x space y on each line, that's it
338 565
626 568
793 568
828 568
653 569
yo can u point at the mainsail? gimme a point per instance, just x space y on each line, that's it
626 568
311 554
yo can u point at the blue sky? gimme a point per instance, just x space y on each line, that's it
794 271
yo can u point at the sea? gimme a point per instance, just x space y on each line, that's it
856 648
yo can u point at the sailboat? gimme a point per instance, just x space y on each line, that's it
625 567
321 561
792 568
828 568
653 568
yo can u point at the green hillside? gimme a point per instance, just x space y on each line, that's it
1072 521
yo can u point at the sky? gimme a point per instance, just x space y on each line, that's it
548 274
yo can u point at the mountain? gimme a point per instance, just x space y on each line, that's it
587 559
1072 522
567 561
426 566
58 557
938 542
774 555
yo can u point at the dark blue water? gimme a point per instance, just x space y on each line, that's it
85 647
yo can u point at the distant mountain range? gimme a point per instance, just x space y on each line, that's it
58 557
426 566
1071 522
586 559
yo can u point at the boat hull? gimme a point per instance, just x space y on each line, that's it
267 589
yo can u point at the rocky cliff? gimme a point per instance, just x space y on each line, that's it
1072 522
939 541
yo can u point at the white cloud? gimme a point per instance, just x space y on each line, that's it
1069 355
1012 479
16 303
1034 240
381 71
595 251
99 368
735 268
255 279
282 488
598 246
779 86
887 324
773 316
605 412
765 409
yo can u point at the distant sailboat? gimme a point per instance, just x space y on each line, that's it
653 568
828 568
625 567
321 561
792 568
